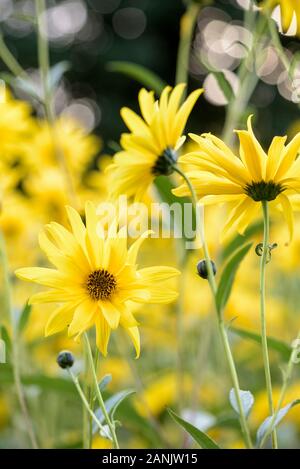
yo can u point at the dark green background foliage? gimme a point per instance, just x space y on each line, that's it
156 49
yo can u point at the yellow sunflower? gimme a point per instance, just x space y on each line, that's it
288 9
220 176
150 149
96 278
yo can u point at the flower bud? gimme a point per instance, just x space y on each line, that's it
65 359
202 268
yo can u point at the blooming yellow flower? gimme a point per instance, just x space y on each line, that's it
150 149
220 176
288 8
96 278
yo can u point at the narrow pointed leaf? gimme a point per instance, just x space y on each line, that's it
24 317
104 382
228 275
139 73
203 440
275 344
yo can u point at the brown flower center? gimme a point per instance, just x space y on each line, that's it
101 285
263 190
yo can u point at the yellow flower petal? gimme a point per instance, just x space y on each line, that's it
60 319
102 333
110 313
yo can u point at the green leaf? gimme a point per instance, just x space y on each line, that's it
4 335
239 240
22 84
139 73
112 404
268 426
104 382
24 317
228 275
246 398
56 73
203 440
224 85
275 344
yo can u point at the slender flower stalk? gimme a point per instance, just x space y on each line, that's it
15 348
187 26
221 324
85 402
264 341
109 422
10 61
286 381
86 416
47 92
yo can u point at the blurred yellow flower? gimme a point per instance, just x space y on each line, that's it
68 137
254 177
95 279
16 126
150 149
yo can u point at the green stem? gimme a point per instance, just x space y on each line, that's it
85 402
92 397
286 381
85 414
44 65
187 27
110 424
264 341
15 348
221 325
10 61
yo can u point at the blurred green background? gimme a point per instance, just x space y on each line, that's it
91 33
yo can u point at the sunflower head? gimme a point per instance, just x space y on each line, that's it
150 148
96 279
245 180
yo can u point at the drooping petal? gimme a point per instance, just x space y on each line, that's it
134 334
60 319
102 333
287 213
83 317
110 313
